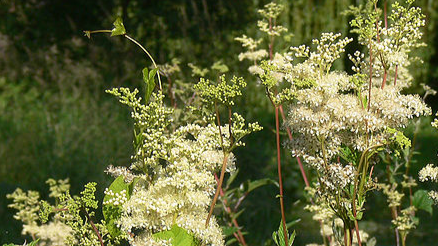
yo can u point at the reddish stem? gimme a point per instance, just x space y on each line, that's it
289 133
94 228
239 235
280 181
219 186
356 226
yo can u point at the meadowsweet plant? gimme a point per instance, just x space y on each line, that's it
163 197
340 122
67 221
168 187
347 128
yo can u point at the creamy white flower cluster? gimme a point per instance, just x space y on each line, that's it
337 177
394 197
430 172
252 53
116 198
173 172
270 12
182 193
406 221
354 112
326 117
53 233
435 122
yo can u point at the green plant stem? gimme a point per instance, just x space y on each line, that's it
394 214
363 159
280 181
147 53
135 42
347 235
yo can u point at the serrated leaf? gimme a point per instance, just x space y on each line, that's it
149 82
179 236
279 237
119 28
112 213
422 201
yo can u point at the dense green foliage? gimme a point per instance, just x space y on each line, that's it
57 122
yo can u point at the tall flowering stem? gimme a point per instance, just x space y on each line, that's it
224 166
280 181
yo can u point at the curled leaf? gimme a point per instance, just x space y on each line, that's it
119 28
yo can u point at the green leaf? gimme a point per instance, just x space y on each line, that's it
33 243
349 156
152 73
422 201
258 183
119 28
231 241
279 237
237 214
112 213
178 235
228 230
292 223
148 78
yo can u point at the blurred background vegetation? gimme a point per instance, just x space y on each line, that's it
57 122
